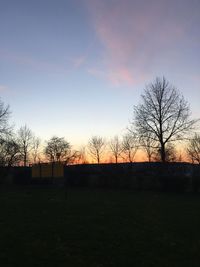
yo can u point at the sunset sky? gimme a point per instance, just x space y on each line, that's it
76 68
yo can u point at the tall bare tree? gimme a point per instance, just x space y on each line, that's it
115 147
25 141
36 149
149 145
193 149
129 147
163 115
96 146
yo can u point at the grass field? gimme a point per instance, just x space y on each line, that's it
43 227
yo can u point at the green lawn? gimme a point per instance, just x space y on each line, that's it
40 227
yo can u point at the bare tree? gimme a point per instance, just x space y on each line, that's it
163 115
129 147
193 149
9 149
116 148
82 156
9 152
59 150
4 117
149 145
25 141
36 149
96 147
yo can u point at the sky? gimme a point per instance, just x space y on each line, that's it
76 68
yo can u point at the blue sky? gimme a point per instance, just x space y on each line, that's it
75 68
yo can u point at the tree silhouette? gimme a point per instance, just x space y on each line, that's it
25 142
149 145
193 149
57 149
163 115
35 151
5 129
116 147
9 152
129 147
96 147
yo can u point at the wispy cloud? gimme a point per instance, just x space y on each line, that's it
79 61
117 77
30 62
138 36
3 88
82 59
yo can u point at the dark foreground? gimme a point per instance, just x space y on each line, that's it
46 227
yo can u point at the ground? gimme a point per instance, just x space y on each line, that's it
90 227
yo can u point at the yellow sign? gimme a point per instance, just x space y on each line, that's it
50 170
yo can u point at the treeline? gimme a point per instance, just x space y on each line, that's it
160 121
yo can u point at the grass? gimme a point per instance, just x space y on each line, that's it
40 227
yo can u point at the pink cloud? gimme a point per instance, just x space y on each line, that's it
3 88
136 35
121 76
116 77
196 78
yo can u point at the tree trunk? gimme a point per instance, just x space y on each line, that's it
129 156
162 153
25 159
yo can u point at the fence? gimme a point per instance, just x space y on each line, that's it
136 176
